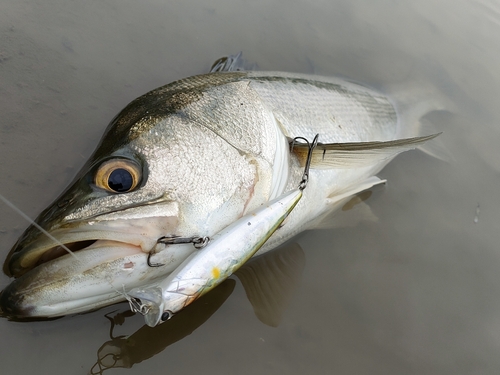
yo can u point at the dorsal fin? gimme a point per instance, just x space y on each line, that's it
232 63
356 154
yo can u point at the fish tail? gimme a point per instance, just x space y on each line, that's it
417 104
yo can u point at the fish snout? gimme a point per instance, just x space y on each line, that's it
12 304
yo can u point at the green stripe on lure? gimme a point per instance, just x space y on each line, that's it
226 253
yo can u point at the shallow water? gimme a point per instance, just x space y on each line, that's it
417 291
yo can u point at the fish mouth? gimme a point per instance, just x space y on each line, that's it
107 259
102 274
58 251
140 226
30 257
75 237
60 283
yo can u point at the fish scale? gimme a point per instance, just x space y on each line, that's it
338 111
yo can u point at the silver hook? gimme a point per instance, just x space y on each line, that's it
138 307
197 241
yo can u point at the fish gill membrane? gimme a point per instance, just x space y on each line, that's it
148 178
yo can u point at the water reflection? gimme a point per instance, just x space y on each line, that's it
415 293
126 351
269 282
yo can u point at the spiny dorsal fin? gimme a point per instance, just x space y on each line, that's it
356 154
232 63
270 280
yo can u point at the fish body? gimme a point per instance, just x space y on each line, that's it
187 160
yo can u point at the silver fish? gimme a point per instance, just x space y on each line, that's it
185 161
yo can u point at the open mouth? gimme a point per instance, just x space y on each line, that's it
107 258
59 251
42 249
132 230
58 284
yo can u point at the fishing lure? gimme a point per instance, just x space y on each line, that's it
226 252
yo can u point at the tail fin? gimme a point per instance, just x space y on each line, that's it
415 101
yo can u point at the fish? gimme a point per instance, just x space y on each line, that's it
188 159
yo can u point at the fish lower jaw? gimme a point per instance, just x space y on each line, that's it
25 261
102 274
18 310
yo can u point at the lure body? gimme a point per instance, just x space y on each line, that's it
208 267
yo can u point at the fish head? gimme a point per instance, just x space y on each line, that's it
158 171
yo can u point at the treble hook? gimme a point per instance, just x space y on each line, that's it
311 146
197 241
137 306
150 264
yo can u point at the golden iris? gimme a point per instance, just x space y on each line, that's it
118 175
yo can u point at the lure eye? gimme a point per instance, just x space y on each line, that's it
166 316
118 175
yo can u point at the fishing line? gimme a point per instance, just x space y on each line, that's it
11 205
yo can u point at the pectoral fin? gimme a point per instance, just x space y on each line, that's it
270 281
352 212
348 201
356 154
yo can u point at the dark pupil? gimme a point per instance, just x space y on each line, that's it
120 180
165 316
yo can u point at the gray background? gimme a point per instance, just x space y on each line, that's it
416 292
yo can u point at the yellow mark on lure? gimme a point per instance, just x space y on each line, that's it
216 272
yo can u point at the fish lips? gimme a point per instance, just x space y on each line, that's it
140 226
110 255
44 291
101 275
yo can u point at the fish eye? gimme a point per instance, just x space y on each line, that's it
118 175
